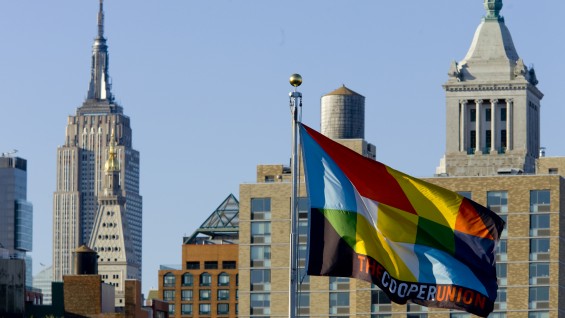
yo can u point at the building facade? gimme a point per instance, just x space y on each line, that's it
111 237
207 282
80 166
42 281
492 106
16 212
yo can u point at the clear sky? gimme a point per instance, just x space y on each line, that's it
205 84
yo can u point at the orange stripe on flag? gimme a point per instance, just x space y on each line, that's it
470 222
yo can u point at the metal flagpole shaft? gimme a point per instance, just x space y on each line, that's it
295 109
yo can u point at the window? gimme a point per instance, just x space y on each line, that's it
260 279
539 297
539 224
502 250
504 233
169 280
205 294
171 308
229 265
302 231
473 115
488 140
187 279
261 232
169 295
539 201
416 310
223 309
379 301
339 283
261 256
192 265
204 309
205 279
539 273
459 315
500 303
186 309
261 209
503 114
186 294
211 265
538 314
302 254
223 294
339 302
223 279
473 139
502 273
487 114
539 249
303 208
303 303
260 304
497 201
553 170
503 138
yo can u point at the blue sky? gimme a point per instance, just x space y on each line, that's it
205 84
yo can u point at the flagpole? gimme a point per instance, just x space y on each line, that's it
295 109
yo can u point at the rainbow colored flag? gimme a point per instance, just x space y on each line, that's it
418 242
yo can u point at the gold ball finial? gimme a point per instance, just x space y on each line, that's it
295 80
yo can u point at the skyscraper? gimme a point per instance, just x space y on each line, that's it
16 213
80 165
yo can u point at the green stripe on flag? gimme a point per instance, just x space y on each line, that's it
344 223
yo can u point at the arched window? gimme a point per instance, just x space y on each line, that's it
187 279
223 279
205 279
169 280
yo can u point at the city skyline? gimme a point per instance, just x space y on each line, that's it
169 61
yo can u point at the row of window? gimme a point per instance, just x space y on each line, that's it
211 265
539 250
497 201
260 303
203 294
473 114
205 279
203 309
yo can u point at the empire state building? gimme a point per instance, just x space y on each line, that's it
80 166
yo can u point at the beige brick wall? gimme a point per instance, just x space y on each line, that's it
518 228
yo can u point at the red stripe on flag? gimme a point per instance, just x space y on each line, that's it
369 177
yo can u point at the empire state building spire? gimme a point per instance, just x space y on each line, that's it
100 84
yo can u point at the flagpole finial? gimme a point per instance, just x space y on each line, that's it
295 80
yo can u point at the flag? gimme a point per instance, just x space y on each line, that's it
415 240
